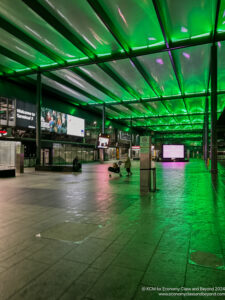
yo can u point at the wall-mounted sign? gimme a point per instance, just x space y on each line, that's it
25 114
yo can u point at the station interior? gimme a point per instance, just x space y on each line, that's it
112 149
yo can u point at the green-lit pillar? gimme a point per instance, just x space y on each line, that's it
38 120
102 151
206 131
213 108
131 138
103 118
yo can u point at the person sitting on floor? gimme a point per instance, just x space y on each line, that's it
76 165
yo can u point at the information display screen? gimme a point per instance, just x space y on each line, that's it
103 142
173 151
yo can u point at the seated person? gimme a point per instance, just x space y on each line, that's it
76 165
115 169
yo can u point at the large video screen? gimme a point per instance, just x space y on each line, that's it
61 123
173 151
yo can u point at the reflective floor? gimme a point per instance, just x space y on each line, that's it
88 236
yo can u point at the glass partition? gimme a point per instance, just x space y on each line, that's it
8 154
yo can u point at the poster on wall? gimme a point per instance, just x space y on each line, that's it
25 114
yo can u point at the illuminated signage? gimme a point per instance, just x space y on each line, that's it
103 141
61 123
3 132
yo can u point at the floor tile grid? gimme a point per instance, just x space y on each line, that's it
147 266
91 265
48 266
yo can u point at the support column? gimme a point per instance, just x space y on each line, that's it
214 109
103 118
206 131
102 151
38 119
131 138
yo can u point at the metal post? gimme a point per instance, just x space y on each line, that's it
206 131
103 118
131 137
38 119
102 151
214 108
203 140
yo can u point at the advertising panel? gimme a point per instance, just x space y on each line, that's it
53 121
61 123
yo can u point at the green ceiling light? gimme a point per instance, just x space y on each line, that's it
21 70
104 54
200 35
48 65
195 18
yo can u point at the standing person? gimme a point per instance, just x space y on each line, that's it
128 166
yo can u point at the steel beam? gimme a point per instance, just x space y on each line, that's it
39 9
10 54
95 84
12 29
163 116
73 87
163 125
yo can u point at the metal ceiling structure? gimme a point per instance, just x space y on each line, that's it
145 60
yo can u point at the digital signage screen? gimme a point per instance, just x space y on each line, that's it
25 114
103 142
173 151
61 123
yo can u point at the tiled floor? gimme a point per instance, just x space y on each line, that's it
136 245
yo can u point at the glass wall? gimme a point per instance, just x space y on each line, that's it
64 154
